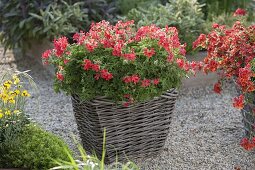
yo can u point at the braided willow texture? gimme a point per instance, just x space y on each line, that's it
249 119
136 131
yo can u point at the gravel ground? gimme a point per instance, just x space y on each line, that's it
205 129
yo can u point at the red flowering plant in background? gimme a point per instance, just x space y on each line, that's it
120 62
231 52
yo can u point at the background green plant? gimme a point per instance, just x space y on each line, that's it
34 148
125 6
185 15
27 20
218 7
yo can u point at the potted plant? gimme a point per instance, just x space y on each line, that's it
231 52
124 80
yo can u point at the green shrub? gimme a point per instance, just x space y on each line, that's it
220 7
186 15
34 148
126 5
23 21
221 20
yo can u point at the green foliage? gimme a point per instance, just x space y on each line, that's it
88 162
126 5
221 20
219 7
33 148
24 21
186 15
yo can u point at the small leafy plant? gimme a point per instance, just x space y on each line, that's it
119 62
34 148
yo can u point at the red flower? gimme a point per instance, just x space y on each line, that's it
148 53
215 25
201 41
97 76
60 76
180 63
66 61
130 56
106 75
146 83
127 96
126 104
246 144
87 64
46 54
240 12
156 81
127 79
217 87
135 79
117 49
60 45
95 67
170 57
239 102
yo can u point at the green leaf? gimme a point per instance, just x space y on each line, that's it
36 16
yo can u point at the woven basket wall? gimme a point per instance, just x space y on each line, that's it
247 113
249 119
137 131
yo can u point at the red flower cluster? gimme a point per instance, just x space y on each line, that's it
88 65
136 79
240 11
248 144
230 51
238 102
131 79
149 52
60 46
140 58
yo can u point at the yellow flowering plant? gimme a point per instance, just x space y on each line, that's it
13 97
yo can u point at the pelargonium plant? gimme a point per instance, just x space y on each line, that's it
231 53
119 62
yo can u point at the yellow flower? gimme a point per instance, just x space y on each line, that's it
7 84
1 115
16 111
16 79
4 97
7 112
17 92
25 93
11 100
12 93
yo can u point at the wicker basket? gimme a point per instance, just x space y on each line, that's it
247 113
249 117
137 131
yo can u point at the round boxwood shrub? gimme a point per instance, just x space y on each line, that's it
34 148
